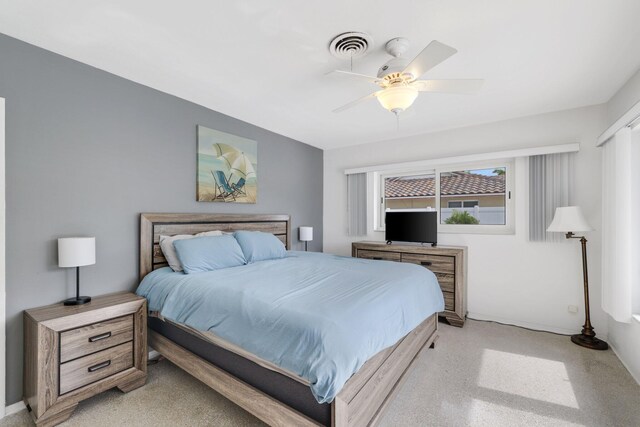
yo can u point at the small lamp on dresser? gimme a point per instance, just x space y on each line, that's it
306 235
76 252
570 220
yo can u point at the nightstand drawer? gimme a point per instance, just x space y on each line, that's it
92 338
387 256
94 367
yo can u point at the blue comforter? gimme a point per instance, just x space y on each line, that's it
319 316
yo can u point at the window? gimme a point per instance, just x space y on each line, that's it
409 192
476 198
473 196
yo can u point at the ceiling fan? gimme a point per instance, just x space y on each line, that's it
398 77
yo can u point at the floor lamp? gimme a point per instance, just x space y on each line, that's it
569 220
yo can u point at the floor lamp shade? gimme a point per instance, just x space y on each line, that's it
76 252
569 219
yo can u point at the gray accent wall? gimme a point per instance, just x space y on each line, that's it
87 152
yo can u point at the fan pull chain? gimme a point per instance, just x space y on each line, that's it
397 121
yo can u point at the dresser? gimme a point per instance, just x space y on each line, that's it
74 352
448 263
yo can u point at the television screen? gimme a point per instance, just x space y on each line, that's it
421 227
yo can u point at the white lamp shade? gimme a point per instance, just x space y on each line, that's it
306 234
569 219
76 251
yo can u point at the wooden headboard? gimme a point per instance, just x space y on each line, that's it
152 225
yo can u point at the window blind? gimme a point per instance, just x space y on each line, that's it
549 176
357 204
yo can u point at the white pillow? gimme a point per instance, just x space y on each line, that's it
169 251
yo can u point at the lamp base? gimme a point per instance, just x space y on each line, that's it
589 342
77 301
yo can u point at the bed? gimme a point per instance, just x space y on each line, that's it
277 393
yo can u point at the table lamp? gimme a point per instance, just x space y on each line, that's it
76 252
306 235
570 220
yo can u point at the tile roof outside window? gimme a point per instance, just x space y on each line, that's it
454 183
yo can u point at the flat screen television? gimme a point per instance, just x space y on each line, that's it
419 227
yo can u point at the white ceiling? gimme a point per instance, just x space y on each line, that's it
264 61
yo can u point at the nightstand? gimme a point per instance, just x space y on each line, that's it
74 352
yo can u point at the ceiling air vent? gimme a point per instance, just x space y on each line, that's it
350 45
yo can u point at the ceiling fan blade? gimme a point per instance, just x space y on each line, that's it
363 77
432 55
449 86
356 102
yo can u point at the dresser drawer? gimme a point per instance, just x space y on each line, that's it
98 336
435 263
387 256
88 369
449 301
446 281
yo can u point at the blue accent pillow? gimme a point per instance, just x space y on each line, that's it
259 246
208 253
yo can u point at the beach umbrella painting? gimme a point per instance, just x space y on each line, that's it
236 160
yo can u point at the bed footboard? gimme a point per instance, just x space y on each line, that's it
361 402
366 395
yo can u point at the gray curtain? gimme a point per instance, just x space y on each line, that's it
357 204
549 176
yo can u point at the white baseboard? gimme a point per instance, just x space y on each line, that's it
529 325
635 377
12 409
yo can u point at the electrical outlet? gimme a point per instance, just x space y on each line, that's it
572 309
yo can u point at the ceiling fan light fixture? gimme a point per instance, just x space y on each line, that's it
397 98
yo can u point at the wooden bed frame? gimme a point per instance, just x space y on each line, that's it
363 398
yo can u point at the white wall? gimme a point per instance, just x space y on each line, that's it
510 279
626 97
625 337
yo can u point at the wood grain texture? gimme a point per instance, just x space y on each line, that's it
30 371
80 372
360 402
58 315
261 405
229 227
152 225
436 263
55 418
448 263
379 255
96 337
44 371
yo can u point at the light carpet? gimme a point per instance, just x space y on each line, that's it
481 375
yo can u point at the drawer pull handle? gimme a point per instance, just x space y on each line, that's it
100 337
377 258
425 263
99 366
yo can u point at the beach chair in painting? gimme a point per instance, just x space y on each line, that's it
224 190
238 187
